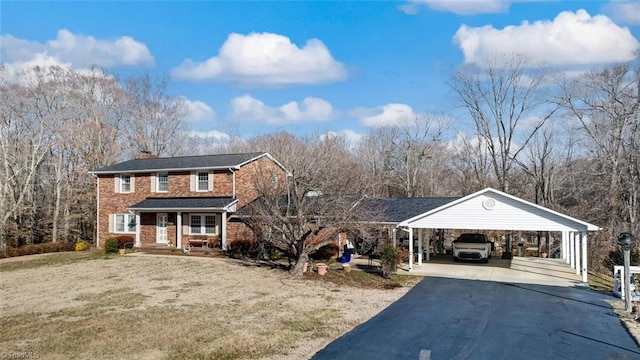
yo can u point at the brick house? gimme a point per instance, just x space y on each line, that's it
180 201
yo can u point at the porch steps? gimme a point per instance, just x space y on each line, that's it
155 249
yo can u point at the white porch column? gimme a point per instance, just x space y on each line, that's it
138 226
179 230
420 246
410 248
572 247
584 257
562 241
223 230
395 237
577 251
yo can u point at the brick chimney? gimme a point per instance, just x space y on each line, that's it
147 155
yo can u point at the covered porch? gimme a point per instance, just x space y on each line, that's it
195 222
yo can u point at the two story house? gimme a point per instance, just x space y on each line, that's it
181 201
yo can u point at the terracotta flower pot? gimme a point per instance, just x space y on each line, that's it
122 251
322 269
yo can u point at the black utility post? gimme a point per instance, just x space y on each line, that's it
626 241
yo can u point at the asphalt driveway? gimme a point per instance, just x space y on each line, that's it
467 319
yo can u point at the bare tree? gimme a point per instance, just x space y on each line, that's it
306 211
471 163
607 105
154 121
400 154
27 114
508 103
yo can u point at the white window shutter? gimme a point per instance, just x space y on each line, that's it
193 180
116 183
210 180
153 182
110 223
133 183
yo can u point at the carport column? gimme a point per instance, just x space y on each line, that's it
565 239
395 237
179 230
223 230
576 239
584 257
429 245
419 246
138 228
410 248
571 251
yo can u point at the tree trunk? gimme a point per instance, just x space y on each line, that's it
298 268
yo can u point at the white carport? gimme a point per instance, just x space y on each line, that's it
490 209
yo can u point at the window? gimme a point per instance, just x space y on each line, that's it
210 224
203 181
195 224
202 224
125 183
163 182
125 223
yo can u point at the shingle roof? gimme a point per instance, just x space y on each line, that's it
180 163
200 202
397 210
385 210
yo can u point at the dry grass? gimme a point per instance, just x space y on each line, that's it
600 282
85 305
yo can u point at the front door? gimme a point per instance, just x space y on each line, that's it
161 226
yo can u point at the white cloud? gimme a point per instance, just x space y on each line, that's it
571 38
23 72
77 50
352 138
626 11
265 59
198 110
459 7
248 108
212 135
386 115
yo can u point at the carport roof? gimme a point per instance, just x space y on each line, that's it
490 209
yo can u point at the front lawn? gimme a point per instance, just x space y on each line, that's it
86 305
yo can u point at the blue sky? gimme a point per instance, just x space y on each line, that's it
248 68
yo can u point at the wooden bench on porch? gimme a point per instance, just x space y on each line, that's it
211 242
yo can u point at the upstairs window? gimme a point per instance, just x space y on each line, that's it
125 183
163 182
202 181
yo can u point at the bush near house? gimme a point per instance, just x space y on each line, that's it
43 248
242 248
125 241
111 246
326 252
390 258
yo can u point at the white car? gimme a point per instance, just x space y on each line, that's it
472 246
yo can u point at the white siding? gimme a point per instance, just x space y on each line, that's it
506 214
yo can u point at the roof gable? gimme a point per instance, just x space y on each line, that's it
490 209
217 161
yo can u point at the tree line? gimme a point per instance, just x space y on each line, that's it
565 141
